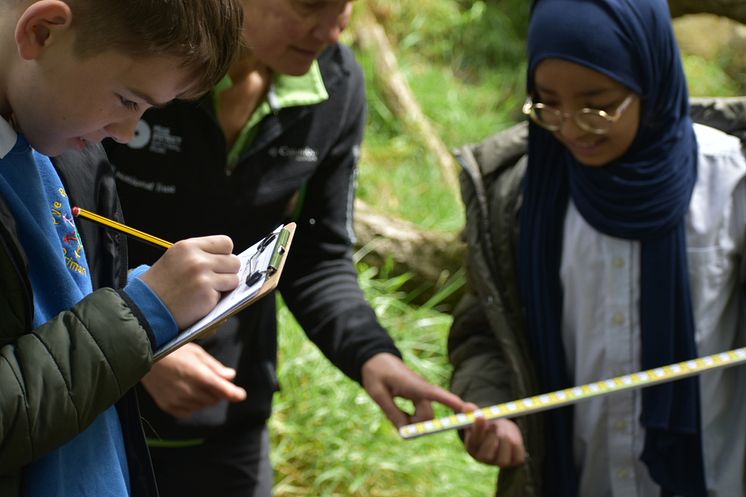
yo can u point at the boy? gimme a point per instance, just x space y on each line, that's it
73 73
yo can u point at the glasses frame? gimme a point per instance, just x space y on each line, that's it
530 108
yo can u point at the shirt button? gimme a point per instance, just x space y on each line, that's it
623 473
620 425
618 319
618 262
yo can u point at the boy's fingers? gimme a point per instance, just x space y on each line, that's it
213 364
219 387
216 378
214 244
228 264
224 389
225 282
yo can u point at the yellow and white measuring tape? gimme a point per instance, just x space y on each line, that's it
572 395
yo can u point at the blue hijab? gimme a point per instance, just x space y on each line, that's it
644 195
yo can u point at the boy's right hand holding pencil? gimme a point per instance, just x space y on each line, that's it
191 276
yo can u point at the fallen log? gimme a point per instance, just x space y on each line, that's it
432 260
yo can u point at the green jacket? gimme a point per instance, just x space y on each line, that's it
487 345
56 379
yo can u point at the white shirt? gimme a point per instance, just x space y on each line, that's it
601 331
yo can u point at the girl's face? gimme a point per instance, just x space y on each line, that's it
569 87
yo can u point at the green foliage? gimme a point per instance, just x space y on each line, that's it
331 440
465 64
707 78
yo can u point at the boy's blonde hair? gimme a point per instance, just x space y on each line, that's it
204 34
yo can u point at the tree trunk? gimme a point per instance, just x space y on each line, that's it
734 9
398 94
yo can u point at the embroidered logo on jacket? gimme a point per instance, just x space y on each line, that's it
72 245
157 138
304 154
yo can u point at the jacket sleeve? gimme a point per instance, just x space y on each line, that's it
56 379
480 373
319 283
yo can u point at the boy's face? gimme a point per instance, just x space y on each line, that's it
288 35
570 87
60 101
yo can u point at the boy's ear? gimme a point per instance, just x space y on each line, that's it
39 25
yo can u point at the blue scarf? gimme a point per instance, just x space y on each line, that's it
644 196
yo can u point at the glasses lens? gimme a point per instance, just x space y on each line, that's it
593 121
548 117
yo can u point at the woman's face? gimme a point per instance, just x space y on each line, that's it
569 87
288 35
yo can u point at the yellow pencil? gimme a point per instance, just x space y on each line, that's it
137 234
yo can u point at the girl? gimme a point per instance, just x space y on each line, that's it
628 256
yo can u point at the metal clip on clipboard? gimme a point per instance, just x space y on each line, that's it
278 253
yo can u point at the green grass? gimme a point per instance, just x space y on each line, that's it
331 440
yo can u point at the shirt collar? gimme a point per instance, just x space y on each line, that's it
285 91
8 137
291 91
288 91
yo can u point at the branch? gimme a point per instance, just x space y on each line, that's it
399 97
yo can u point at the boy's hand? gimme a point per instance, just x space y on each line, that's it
497 442
190 379
190 277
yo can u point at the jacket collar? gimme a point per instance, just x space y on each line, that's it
8 137
284 92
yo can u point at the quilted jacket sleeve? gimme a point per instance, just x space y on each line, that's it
56 379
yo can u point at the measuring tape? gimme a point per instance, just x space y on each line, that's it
572 395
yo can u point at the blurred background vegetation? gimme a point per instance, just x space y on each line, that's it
464 61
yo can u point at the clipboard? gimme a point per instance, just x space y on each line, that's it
261 267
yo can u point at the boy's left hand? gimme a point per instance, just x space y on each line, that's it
189 379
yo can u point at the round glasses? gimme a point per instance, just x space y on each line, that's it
594 121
